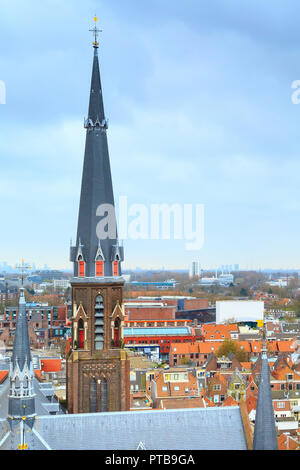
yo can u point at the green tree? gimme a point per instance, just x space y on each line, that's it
184 361
243 292
229 346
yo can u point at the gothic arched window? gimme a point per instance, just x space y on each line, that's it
103 396
93 396
80 334
117 338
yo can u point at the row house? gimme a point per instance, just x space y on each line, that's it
236 386
56 317
195 354
172 384
216 390
219 332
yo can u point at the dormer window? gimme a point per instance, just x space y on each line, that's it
99 262
81 266
116 268
116 258
99 266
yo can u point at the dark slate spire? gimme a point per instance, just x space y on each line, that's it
97 239
21 394
265 437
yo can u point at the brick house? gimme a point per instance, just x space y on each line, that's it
196 354
216 390
172 383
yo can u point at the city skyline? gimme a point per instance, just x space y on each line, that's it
236 147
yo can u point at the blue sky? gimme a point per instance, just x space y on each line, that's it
198 96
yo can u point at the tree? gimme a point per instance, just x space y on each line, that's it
231 346
243 292
184 361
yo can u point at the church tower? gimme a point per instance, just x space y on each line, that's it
97 366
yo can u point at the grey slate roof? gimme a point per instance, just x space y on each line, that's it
21 350
41 399
199 428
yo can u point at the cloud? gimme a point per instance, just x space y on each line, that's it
199 102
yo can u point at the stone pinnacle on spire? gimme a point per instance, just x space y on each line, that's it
21 395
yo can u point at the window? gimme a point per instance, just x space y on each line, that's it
176 388
99 268
81 268
115 268
217 387
281 404
117 332
80 334
93 396
103 402
164 389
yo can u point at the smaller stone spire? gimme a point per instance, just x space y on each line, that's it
21 403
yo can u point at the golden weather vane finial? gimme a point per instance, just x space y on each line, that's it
96 32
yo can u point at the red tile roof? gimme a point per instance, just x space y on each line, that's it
286 346
230 402
245 346
246 365
251 402
189 348
38 374
287 442
3 375
51 365
208 402
177 403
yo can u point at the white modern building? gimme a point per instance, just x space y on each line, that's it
223 280
239 310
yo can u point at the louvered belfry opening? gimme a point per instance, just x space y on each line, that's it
99 323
